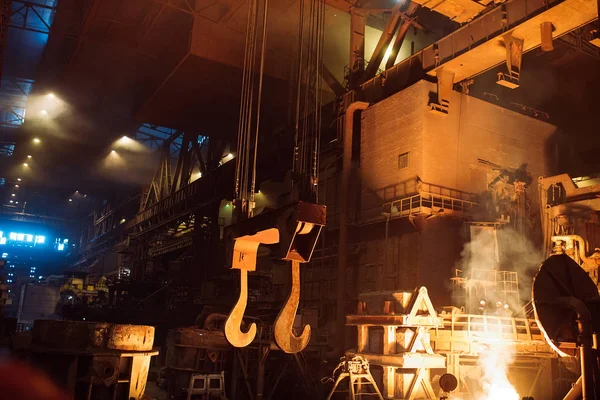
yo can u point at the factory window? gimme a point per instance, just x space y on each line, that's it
403 161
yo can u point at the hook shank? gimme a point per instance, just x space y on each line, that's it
233 331
284 337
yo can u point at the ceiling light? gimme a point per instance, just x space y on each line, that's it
16 202
51 95
25 164
19 179
113 152
13 195
43 113
16 186
28 155
36 140
70 199
11 202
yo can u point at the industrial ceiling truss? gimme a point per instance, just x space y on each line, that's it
500 35
31 16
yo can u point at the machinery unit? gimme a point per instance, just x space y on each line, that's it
94 360
393 334
410 347
194 352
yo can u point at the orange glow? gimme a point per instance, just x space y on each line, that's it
494 362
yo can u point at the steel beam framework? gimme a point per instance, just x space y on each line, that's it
489 26
31 17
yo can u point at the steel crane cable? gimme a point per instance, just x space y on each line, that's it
248 122
308 97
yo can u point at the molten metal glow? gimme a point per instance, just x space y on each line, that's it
494 363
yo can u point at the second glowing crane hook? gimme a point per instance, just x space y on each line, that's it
284 336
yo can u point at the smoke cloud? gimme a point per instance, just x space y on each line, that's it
490 250
493 249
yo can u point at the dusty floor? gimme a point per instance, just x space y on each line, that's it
155 393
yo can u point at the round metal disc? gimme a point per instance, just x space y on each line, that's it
560 276
448 383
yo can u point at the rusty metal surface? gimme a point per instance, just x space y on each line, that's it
197 337
233 331
405 360
285 220
89 336
284 337
291 233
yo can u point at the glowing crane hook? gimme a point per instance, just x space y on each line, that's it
284 337
233 331
244 258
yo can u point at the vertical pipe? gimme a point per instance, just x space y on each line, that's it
379 282
343 221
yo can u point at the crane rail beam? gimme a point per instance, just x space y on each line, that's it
479 45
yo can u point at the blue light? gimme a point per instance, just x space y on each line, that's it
4 255
61 247
40 277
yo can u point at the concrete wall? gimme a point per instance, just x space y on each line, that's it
38 302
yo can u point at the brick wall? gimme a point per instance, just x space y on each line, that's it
390 128
443 150
475 129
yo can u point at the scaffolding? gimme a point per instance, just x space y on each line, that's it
408 345
486 290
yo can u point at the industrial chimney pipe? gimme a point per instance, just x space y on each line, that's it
343 224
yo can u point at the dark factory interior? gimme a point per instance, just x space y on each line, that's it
299 199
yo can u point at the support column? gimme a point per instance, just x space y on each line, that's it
263 352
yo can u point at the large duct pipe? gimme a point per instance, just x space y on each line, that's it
343 224
580 251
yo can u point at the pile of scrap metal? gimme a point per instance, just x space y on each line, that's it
192 352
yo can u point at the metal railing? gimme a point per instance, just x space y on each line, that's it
426 202
466 333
